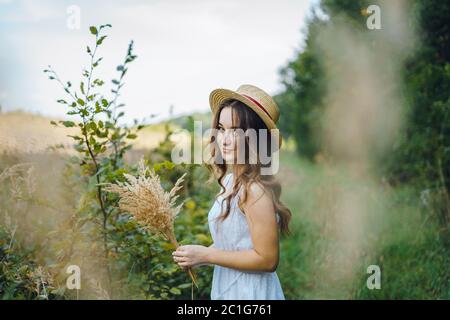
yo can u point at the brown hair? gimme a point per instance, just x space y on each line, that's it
245 118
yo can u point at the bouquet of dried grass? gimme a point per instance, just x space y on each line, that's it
150 205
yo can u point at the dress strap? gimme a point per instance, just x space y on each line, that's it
228 178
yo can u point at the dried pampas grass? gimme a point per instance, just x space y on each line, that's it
149 204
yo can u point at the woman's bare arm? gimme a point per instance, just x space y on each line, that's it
264 256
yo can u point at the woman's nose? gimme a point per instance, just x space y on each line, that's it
227 139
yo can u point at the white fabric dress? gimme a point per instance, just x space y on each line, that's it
233 234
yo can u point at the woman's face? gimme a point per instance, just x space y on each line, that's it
227 136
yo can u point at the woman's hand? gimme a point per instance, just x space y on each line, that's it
191 255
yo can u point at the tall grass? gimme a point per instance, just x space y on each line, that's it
407 243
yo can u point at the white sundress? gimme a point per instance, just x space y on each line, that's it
233 234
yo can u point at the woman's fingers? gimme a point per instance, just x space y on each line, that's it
179 253
183 264
180 256
178 259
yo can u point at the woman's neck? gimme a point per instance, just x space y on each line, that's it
236 168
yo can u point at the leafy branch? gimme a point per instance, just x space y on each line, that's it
98 136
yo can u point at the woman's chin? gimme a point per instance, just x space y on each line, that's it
228 159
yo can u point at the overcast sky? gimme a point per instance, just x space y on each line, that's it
185 48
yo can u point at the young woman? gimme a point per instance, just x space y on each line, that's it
247 215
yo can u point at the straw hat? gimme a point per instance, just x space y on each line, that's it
255 98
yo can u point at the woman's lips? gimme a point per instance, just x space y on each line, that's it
226 150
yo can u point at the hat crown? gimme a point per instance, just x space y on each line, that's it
261 97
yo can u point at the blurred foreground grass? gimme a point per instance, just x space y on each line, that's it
402 237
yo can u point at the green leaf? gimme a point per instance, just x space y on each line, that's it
115 136
101 134
185 285
175 291
68 124
97 62
98 82
97 148
53 123
93 30
80 102
98 109
104 103
202 237
75 137
169 165
131 136
109 125
92 125
59 291
99 41
82 87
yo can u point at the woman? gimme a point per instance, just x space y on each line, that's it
247 215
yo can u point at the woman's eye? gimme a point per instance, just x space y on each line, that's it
232 132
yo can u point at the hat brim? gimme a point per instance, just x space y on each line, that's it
218 96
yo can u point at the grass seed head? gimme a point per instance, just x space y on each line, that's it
145 199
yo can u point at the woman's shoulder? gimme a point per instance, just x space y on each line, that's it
259 202
257 191
258 194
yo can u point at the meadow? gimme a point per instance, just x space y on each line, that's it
398 229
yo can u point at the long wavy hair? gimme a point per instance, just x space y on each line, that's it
245 174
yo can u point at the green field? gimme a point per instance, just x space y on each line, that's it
400 235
